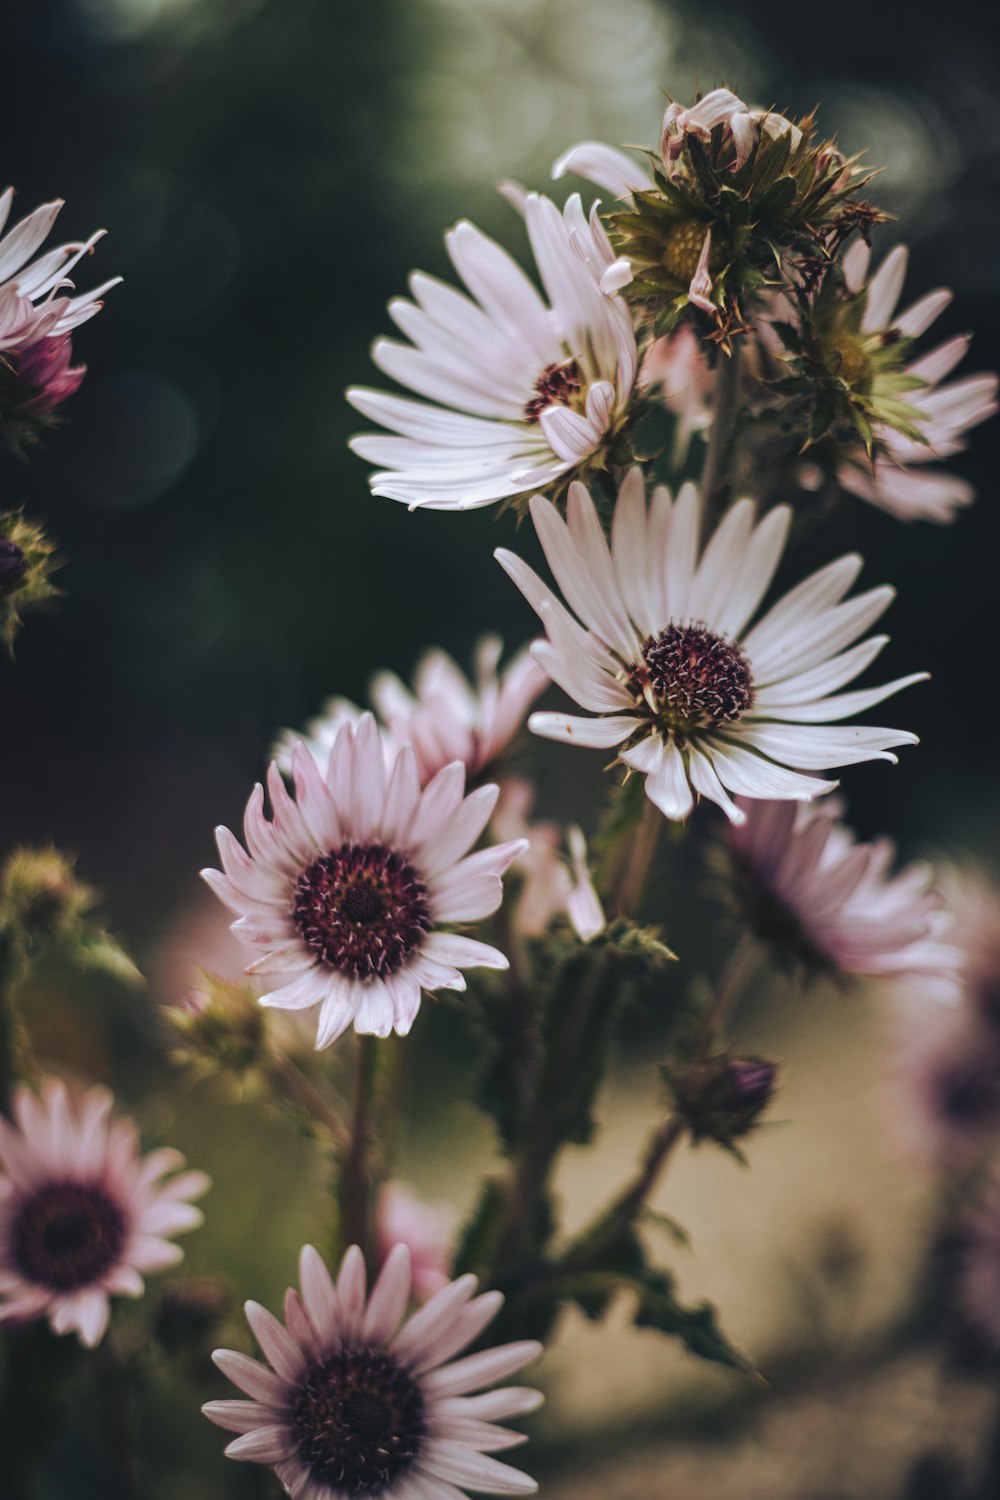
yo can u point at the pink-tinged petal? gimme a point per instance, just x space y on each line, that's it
389 1298
462 952
455 1462
319 1296
351 1286
254 1378
492 1406
264 1445
483 1369
278 1347
597 734
436 1315
239 1416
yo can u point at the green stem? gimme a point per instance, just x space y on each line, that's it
605 1231
291 1078
357 1182
715 475
635 869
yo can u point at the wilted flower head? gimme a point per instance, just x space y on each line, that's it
659 647
735 198
359 1400
526 393
851 354
36 320
823 900
346 889
82 1212
427 1230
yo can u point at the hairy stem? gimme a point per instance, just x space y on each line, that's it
291 1077
715 475
604 1232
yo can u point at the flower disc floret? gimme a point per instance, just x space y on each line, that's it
348 888
661 647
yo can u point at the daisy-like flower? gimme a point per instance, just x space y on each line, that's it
360 1400
525 391
823 899
446 717
82 1213
693 699
36 319
346 890
875 359
427 1230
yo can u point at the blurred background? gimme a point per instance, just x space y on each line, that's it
269 171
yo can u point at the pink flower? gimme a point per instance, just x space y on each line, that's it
446 717
347 889
359 1400
555 883
944 1084
29 307
676 365
82 1213
46 375
426 1229
809 887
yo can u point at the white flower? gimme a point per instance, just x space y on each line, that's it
446 717
358 1400
809 887
896 481
30 309
345 890
525 391
82 1213
700 703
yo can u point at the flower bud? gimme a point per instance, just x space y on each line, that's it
722 1098
12 563
41 895
222 1027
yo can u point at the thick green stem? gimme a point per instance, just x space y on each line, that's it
605 1231
726 410
357 1185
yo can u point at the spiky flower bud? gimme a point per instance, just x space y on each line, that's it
721 1098
221 1026
40 894
26 562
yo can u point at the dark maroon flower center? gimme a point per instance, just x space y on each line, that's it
67 1235
698 679
559 385
362 908
358 1420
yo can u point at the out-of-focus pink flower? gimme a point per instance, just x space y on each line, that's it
357 1399
46 375
426 1229
812 890
446 717
82 1212
979 1279
556 874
